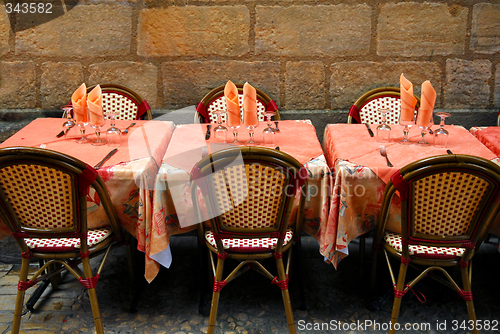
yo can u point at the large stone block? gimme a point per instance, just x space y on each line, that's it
305 85
485 37
350 80
18 85
467 83
320 30
421 29
84 31
58 82
140 77
496 99
194 31
4 31
186 82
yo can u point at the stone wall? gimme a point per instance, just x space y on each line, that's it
313 57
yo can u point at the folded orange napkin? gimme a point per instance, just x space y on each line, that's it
79 102
427 100
249 105
408 100
232 104
95 106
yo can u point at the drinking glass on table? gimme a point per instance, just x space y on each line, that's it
251 121
220 130
269 131
113 134
234 121
70 122
81 114
441 135
97 120
384 130
407 120
424 122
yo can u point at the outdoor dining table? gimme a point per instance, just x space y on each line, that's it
173 211
129 174
360 174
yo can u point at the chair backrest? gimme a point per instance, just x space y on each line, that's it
249 191
365 108
43 194
215 100
124 100
447 200
498 118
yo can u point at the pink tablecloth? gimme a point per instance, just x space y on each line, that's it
360 175
172 205
129 174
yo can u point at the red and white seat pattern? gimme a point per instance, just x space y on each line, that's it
394 240
94 237
249 245
125 107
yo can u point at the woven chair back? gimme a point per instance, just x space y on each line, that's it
215 100
253 196
447 200
367 105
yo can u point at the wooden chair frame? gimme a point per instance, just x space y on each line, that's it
82 176
203 107
372 94
295 177
469 242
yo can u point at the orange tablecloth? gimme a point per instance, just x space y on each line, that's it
129 174
172 205
360 175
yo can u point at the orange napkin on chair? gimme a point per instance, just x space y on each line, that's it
249 105
232 104
427 100
95 105
408 100
79 103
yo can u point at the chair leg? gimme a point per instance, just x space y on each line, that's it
93 298
18 310
286 296
470 304
215 297
397 299
202 275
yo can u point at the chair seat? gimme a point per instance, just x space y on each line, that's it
429 252
249 245
94 237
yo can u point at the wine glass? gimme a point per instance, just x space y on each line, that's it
97 120
384 130
70 122
424 122
220 130
269 131
113 134
81 114
407 123
234 121
441 135
251 121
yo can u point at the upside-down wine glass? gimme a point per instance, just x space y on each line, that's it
97 120
220 130
113 134
384 130
251 121
424 122
269 131
70 122
441 135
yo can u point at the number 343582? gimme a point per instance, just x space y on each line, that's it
29 7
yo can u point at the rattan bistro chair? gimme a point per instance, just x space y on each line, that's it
43 200
365 108
448 203
249 192
214 100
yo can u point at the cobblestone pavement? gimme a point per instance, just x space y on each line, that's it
335 298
